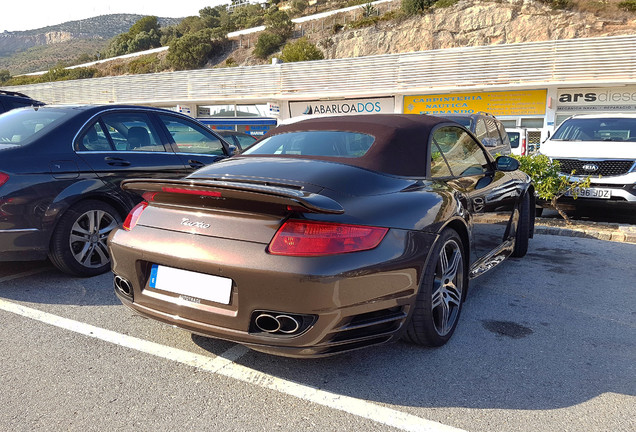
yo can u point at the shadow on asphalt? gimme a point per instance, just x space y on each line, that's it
41 282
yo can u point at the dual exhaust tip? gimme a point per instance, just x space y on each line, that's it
123 286
271 323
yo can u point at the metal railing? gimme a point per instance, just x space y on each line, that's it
575 62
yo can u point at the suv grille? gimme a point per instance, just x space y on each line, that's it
606 168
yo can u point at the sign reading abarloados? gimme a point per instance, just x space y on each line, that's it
342 106
503 103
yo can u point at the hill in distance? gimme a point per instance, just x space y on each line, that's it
41 49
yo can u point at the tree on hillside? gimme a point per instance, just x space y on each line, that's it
267 44
193 50
247 16
143 35
278 22
146 24
5 75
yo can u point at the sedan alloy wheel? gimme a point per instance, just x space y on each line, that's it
88 238
78 245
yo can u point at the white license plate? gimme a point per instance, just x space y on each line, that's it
192 284
592 193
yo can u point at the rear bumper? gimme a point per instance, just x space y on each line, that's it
355 300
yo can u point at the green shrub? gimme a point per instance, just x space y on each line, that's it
364 22
301 50
414 7
558 4
368 10
5 75
145 64
628 5
550 185
267 44
441 4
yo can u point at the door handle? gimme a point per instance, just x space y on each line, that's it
195 163
116 161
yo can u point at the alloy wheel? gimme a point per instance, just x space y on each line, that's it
447 287
88 238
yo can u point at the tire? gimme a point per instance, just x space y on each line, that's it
78 244
441 294
523 228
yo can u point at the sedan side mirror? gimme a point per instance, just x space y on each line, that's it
234 150
506 163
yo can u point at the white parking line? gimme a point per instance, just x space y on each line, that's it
224 365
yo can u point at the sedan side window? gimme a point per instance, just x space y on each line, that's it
94 139
463 154
131 131
190 138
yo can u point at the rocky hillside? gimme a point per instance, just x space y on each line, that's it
40 49
467 23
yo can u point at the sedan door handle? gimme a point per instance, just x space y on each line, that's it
195 163
112 161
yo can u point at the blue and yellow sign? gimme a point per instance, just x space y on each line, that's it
504 103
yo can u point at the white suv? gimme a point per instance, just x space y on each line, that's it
602 147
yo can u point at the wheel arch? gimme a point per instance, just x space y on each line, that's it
79 192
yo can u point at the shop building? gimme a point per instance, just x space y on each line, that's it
532 85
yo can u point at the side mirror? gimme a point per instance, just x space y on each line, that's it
506 163
234 150
547 137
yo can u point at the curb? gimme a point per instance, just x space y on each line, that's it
622 233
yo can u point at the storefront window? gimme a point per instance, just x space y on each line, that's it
232 110
251 110
532 123
217 111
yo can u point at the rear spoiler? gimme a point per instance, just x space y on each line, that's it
239 190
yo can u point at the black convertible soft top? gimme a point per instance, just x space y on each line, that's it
400 146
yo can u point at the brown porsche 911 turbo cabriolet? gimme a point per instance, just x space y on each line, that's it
328 235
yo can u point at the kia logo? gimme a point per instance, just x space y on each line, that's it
590 167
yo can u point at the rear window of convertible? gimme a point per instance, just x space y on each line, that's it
315 143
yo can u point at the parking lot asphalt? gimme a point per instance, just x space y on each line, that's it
546 342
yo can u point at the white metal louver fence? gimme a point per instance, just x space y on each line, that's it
591 61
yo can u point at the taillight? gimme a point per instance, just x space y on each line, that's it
133 216
307 238
3 178
523 147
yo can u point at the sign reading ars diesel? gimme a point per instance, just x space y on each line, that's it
616 99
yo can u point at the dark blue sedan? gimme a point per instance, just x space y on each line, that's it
61 167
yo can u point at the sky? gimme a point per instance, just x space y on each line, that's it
18 15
